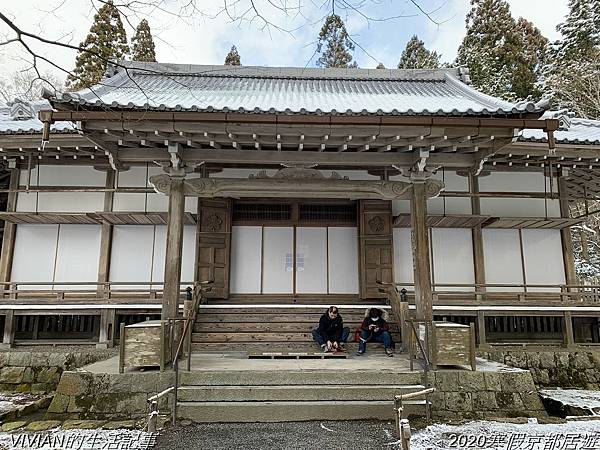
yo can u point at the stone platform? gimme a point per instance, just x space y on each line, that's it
229 387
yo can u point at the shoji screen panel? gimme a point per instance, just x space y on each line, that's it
542 252
246 261
452 257
343 260
403 259
311 260
34 254
77 255
132 252
502 258
278 264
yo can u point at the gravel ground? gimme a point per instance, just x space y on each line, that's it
281 436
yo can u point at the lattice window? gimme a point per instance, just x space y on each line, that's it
261 211
328 213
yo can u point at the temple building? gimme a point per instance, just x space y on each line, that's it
292 189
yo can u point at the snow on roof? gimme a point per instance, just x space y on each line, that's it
20 117
573 130
287 90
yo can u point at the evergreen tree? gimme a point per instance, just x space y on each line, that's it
503 55
572 76
416 56
233 57
335 44
106 41
380 66
142 43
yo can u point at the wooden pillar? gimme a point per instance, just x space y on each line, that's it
569 337
170 302
10 230
8 339
420 248
565 233
481 329
478 258
107 319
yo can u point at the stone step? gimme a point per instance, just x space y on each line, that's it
298 377
289 411
298 393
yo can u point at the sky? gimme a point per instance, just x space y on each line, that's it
380 29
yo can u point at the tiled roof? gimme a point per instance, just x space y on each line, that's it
178 87
573 130
10 124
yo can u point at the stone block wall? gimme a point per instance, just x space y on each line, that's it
85 395
484 395
39 372
556 368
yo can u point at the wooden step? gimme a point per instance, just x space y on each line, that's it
275 327
220 347
260 337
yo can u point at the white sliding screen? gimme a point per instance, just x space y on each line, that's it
452 257
542 252
246 261
55 253
131 255
342 245
278 262
77 255
34 255
502 259
311 260
187 256
403 258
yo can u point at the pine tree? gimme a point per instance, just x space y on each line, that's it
572 76
106 41
503 55
380 66
335 44
416 56
233 57
142 43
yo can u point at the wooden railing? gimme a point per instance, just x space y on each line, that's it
508 294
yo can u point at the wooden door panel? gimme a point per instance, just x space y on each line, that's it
376 246
214 245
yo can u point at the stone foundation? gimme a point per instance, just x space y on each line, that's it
40 372
556 368
484 395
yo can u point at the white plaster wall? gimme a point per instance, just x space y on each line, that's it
246 261
543 256
502 259
136 176
452 256
78 255
519 207
343 260
129 202
278 260
515 182
34 254
449 205
400 207
403 259
311 260
70 201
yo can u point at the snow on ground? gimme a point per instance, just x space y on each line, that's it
584 435
8 401
78 439
586 400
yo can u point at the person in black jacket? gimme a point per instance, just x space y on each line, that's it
331 334
375 328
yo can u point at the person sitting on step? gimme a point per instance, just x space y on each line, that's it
375 328
331 334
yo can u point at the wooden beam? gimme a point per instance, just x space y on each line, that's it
478 256
420 249
10 230
106 235
174 248
565 233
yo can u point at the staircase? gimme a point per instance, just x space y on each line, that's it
268 328
285 396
